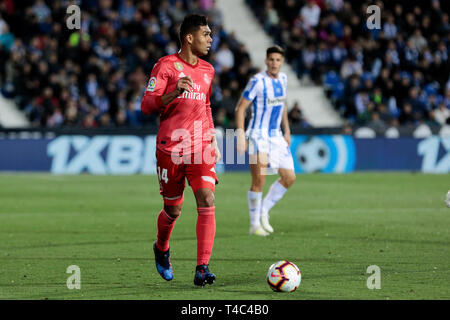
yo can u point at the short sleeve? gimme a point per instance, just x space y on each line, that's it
251 90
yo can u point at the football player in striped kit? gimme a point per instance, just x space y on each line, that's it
268 145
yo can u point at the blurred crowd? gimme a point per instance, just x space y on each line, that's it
397 74
96 76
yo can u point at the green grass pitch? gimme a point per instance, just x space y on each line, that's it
332 226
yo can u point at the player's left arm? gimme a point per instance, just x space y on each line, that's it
285 125
217 153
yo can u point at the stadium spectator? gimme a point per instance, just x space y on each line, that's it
384 114
3 25
418 41
177 12
225 107
390 28
71 117
442 114
41 10
6 38
309 15
224 58
351 66
296 118
348 107
364 107
418 107
308 62
406 115
272 18
376 123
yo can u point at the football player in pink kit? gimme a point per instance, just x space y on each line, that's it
179 89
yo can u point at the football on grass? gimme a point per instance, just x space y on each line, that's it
284 276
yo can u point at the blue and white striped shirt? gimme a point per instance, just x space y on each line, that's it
268 98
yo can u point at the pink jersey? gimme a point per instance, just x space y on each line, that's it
188 117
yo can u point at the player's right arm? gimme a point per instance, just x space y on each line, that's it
249 94
155 96
183 84
241 107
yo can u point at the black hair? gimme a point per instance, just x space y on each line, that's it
274 49
190 24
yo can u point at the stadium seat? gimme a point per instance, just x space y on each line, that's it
365 132
422 131
392 133
445 131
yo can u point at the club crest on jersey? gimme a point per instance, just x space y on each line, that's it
206 78
151 84
278 91
178 66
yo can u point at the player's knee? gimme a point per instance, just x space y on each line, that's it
288 180
258 183
204 198
206 201
173 211
292 179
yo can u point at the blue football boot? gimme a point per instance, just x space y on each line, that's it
203 276
163 265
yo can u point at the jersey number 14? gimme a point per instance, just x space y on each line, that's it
162 175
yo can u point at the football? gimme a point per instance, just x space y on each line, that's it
284 276
447 199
